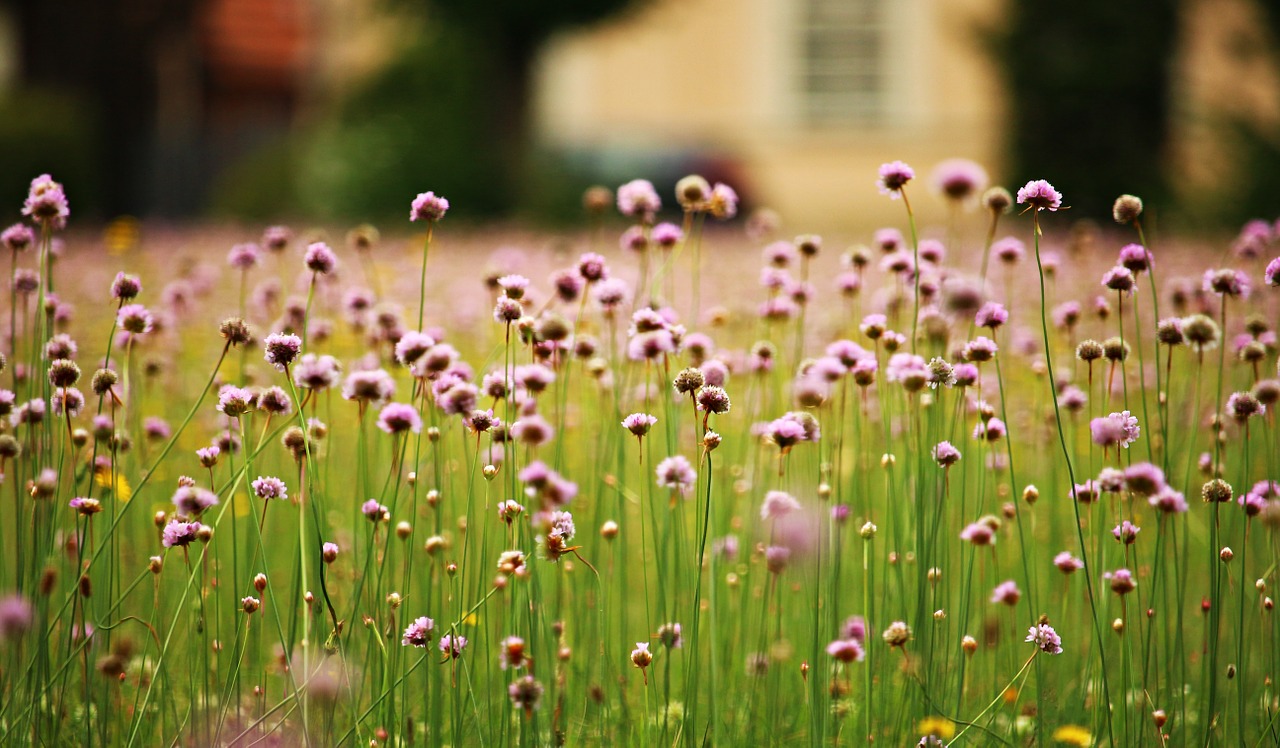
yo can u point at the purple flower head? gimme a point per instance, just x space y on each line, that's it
722 204
429 207
234 401
667 235
1117 429
776 558
269 487
966 374
639 423
1169 501
320 258
1039 195
1126 532
592 267
135 319
397 418
280 349
1226 282
1135 257
375 512
16 615
370 387
46 203
1006 593
329 552
846 651
418 633
778 504
452 645
1067 563
993 430
243 256
677 474
893 177
276 238
945 454
1144 479
208 456
978 533
1253 504
1044 637
180 534
980 349
992 314
317 372
639 200
18 238
192 501
533 430
526 692
1009 250
1272 274
1119 279
959 179
1122 582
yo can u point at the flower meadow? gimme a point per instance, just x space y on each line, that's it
664 482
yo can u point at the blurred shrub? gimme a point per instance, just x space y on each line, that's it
46 131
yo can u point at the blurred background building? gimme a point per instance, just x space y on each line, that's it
342 109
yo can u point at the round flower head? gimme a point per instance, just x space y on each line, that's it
692 192
208 456
723 202
374 512
180 534
1272 274
125 287
667 235
46 203
269 487
374 386
16 615
525 693
1039 195
280 349
893 177
1122 582
778 504
1120 279
846 650
243 256
429 207
639 423
135 319
452 645
397 418
592 267
638 199
233 401
992 314
418 633
320 258
276 238
945 454
1126 209
959 179
192 501
1067 563
677 474
1006 593
1135 257
1126 532
67 401
18 238
897 634
713 400
1226 282
1044 637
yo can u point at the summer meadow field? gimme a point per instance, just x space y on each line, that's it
675 478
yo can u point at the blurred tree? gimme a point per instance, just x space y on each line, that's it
100 55
1089 91
507 36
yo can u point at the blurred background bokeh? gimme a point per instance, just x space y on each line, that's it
342 110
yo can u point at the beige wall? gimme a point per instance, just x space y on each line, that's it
721 74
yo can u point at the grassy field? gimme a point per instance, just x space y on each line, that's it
693 482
